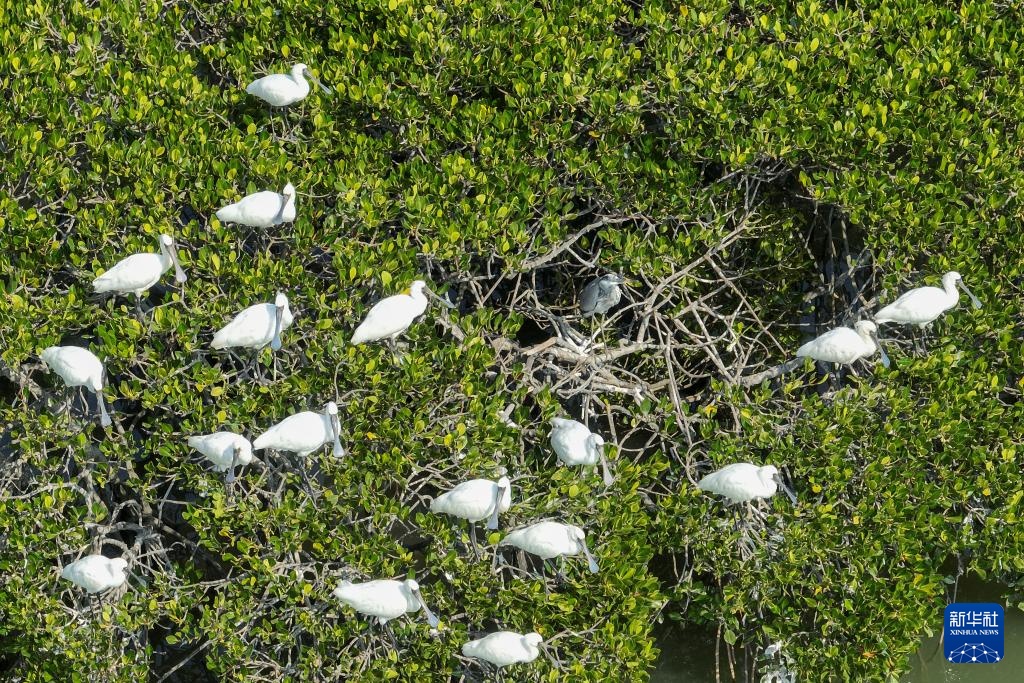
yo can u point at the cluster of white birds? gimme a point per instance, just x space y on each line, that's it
476 500
745 482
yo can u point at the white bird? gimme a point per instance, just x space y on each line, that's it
138 272
261 209
844 345
551 539
280 90
96 573
923 305
384 599
224 450
304 433
743 482
476 500
575 444
256 326
392 316
505 648
78 367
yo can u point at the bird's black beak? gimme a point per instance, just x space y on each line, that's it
881 349
786 489
275 344
492 523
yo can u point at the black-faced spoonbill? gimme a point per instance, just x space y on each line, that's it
137 273
548 540
78 367
505 648
261 209
743 482
392 316
476 500
224 450
844 345
304 433
922 305
601 294
575 444
385 599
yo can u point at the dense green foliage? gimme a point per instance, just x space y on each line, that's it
762 172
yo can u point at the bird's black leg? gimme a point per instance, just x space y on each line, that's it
472 540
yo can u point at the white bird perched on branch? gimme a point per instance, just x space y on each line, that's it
743 482
476 500
256 326
225 450
281 90
96 573
138 272
385 599
261 209
304 433
392 316
78 367
923 305
505 648
547 540
844 346
575 444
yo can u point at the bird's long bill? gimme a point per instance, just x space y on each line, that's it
439 299
327 91
788 491
881 351
590 558
605 472
235 452
285 198
492 523
179 274
555 662
336 429
104 415
975 301
431 617
275 344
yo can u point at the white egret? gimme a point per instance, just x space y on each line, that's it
256 326
281 90
575 444
844 345
78 367
922 305
96 573
476 500
547 540
225 450
261 209
743 482
304 433
138 272
392 316
385 599
601 294
505 648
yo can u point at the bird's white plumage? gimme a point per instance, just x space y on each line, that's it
96 573
842 345
473 500
219 449
504 648
261 209
742 482
384 599
78 367
303 433
280 90
139 272
547 540
922 305
391 316
575 444
253 328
